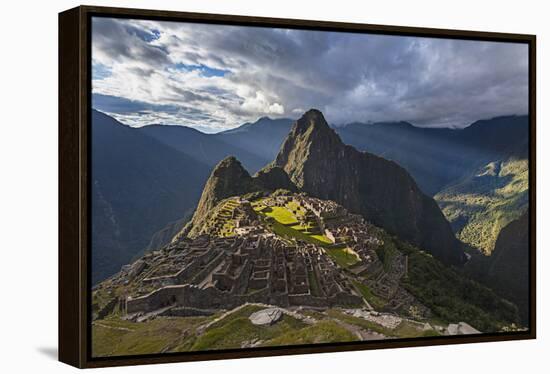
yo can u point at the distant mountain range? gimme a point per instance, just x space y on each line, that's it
138 186
207 148
437 157
147 181
263 137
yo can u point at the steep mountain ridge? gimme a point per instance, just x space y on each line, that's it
508 272
138 186
319 163
506 269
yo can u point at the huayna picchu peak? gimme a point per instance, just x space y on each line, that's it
319 163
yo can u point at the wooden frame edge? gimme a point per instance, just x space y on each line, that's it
69 290
533 185
72 163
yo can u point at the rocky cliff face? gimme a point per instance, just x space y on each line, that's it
319 163
508 272
274 177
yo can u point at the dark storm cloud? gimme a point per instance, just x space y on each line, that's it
276 72
119 39
120 105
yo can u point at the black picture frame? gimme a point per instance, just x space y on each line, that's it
74 183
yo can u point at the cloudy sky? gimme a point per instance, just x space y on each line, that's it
214 77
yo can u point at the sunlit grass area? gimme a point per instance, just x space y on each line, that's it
345 257
287 225
282 215
290 233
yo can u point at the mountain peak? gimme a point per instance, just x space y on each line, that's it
229 178
230 163
320 164
312 119
311 138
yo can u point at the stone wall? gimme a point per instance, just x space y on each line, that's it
211 298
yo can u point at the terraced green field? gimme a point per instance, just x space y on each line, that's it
286 224
282 215
290 233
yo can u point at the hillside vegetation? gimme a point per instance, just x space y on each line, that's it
478 207
452 296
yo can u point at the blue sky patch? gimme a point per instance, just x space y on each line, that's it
100 71
205 71
145 35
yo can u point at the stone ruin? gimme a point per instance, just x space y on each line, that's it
232 271
210 272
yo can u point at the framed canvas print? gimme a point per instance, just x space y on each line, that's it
238 186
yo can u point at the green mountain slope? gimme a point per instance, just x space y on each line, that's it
452 295
479 206
506 270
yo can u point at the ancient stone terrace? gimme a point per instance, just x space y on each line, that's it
324 209
256 269
253 264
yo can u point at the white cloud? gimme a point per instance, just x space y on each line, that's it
261 104
217 77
